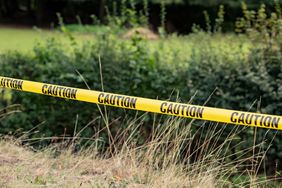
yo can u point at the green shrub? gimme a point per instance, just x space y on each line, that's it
131 68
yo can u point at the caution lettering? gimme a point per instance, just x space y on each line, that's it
182 110
254 119
11 83
59 91
117 100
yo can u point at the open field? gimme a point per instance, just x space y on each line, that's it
25 39
21 39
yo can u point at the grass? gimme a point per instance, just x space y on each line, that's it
21 39
24 39
88 29
229 45
21 166
157 163
181 48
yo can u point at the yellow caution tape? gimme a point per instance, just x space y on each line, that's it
145 104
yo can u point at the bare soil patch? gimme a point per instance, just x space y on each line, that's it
143 32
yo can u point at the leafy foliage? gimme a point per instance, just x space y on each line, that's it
251 82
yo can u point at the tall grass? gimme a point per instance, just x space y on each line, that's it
174 156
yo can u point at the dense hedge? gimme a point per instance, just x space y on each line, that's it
128 67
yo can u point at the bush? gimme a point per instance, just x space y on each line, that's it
131 68
126 67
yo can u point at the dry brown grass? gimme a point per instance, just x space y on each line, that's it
159 162
21 167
